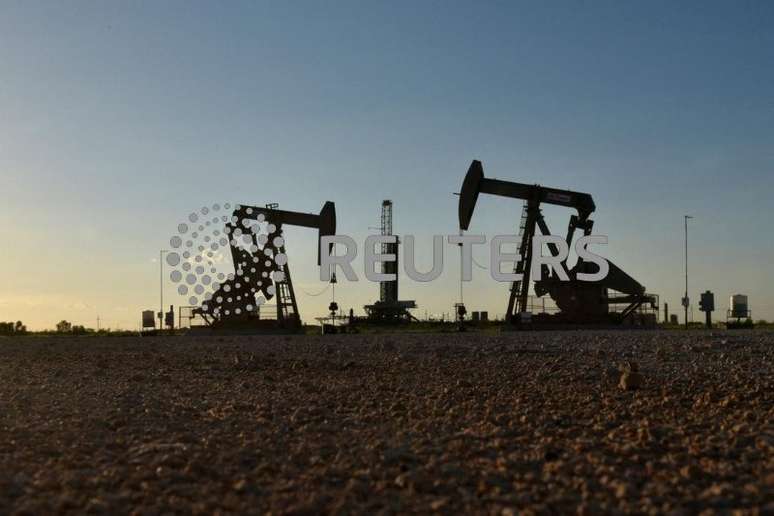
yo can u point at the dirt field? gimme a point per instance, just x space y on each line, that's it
389 424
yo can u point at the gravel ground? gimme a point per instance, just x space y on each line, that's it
597 422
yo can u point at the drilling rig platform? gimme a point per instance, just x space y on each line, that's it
389 309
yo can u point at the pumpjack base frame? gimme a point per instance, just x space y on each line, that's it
613 321
248 325
390 313
244 330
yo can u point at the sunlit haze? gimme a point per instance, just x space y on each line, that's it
119 119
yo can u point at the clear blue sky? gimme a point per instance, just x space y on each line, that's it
118 119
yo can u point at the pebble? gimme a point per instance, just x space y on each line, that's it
517 423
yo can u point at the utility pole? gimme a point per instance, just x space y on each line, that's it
686 301
161 288
462 301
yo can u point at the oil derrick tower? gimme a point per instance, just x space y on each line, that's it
388 290
389 309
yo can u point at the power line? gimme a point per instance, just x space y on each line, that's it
323 291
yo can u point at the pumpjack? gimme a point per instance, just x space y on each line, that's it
261 270
579 302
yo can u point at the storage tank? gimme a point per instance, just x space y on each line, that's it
738 304
148 319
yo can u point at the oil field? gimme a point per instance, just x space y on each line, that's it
386 258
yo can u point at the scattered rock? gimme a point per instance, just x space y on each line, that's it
456 424
630 379
439 504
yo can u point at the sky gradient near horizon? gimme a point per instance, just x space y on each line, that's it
118 119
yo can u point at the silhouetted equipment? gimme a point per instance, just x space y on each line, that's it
579 302
261 269
328 324
707 305
388 309
460 311
388 290
739 314
479 316
685 301
666 313
738 306
148 320
169 318
673 319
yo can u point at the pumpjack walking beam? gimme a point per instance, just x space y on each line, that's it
324 222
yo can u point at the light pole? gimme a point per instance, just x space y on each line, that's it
161 288
686 301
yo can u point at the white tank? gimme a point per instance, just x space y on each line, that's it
738 305
148 319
